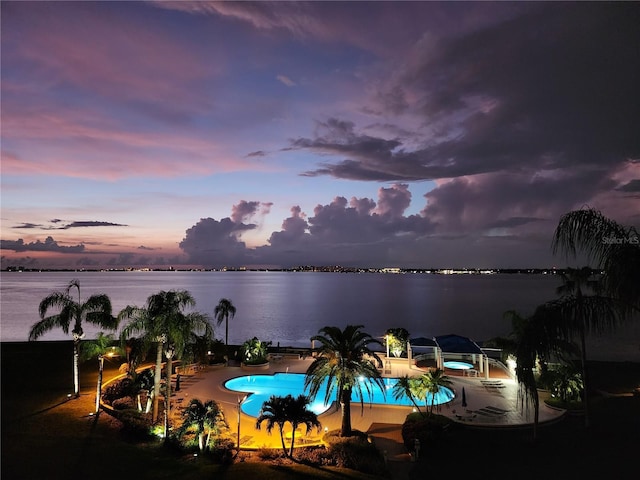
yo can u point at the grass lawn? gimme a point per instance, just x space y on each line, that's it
45 435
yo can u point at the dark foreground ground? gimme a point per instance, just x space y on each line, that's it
46 436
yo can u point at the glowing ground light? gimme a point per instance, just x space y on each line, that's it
261 387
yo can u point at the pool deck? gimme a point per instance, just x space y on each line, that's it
491 403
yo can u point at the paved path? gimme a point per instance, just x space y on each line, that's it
492 403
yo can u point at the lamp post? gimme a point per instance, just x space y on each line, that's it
111 354
240 402
170 351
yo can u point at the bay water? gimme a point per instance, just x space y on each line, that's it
290 307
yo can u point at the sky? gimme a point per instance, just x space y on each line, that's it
265 135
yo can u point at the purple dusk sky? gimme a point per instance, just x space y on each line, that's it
197 134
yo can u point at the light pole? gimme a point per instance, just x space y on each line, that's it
111 354
240 402
167 392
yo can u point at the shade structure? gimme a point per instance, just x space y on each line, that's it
464 398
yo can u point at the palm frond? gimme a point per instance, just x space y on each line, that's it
585 231
47 324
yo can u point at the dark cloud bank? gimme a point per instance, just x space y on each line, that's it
522 121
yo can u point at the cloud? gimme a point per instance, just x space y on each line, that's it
514 222
631 186
475 205
49 245
297 18
244 211
348 231
91 223
286 80
122 68
58 224
88 144
215 243
502 98
27 225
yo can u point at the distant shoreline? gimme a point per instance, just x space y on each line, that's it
318 269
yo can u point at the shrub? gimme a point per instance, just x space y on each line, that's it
135 425
222 450
265 453
218 351
254 351
397 339
124 403
428 429
356 452
317 455
118 389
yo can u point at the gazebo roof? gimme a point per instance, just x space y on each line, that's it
423 342
457 344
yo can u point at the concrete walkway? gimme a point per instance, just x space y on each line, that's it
490 402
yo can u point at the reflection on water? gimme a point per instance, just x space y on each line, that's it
289 307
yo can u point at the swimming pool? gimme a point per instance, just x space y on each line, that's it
261 387
454 365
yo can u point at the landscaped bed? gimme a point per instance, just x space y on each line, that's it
45 435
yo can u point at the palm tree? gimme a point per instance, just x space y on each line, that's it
204 416
143 384
576 313
433 381
134 349
280 410
566 382
527 344
397 339
163 322
99 348
343 358
223 311
532 340
274 411
254 351
407 386
613 247
96 310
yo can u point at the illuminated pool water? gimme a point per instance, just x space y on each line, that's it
457 365
261 387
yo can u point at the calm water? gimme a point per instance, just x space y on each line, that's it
289 307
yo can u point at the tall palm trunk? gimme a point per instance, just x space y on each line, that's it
345 405
167 401
536 414
99 387
156 383
284 446
206 443
583 357
76 370
293 439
